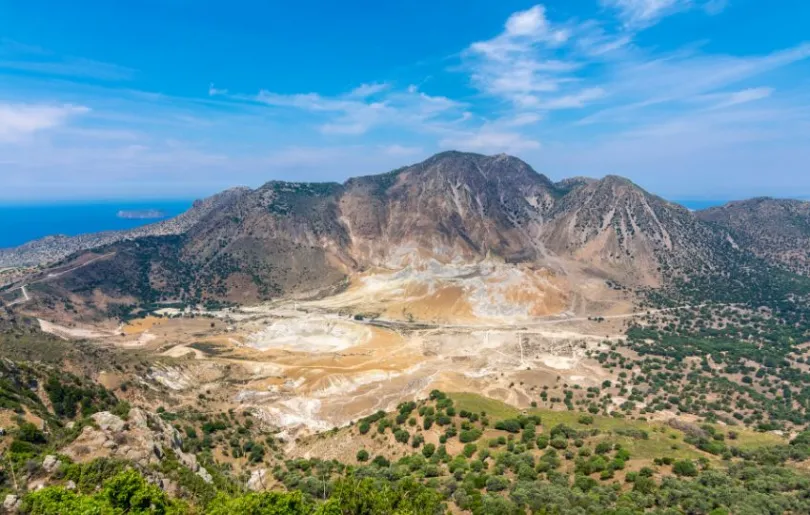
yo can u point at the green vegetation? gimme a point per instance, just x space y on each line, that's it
507 462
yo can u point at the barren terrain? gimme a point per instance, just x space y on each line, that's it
306 366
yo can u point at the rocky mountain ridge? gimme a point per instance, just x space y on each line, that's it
292 238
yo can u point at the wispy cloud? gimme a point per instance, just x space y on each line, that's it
639 14
367 90
19 57
490 140
366 107
642 13
744 96
519 64
644 81
18 121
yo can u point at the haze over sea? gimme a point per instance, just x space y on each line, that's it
20 223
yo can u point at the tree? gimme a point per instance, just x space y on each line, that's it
685 468
428 450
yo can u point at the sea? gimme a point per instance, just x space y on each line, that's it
697 205
22 222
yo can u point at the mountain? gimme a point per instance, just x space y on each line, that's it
615 225
777 230
455 208
57 247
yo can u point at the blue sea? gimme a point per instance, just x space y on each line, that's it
20 223
697 205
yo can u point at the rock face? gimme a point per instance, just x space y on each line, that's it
50 464
11 504
777 230
257 482
143 438
291 238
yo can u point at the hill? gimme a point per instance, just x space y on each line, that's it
777 230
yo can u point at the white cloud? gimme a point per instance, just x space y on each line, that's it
401 150
643 82
20 120
213 91
528 64
367 90
532 23
742 97
522 119
490 140
355 114
576 100
642 13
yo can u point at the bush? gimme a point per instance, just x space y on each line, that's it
362 455
428 450
685 468
29 433
470 449
469 435
380 461
509 425
497 483
401 436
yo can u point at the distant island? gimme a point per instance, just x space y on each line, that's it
142 214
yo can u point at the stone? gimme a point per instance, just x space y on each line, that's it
70 485
108 422
205 475
11 503
256 482
50 463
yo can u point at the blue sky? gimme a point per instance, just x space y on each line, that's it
174 98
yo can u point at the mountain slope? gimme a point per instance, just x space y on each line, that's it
454 206
453 209
57 247
777 230
615 225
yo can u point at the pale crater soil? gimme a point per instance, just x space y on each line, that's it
306 366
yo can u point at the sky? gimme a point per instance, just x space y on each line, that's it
691 99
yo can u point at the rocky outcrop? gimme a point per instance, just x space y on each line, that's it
258 480
143 438
11 504
50 464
